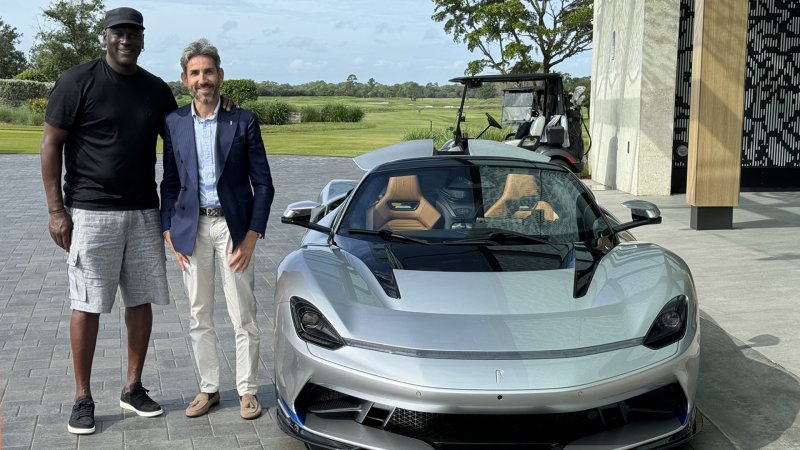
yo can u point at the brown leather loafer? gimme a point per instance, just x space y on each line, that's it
250 409
201 404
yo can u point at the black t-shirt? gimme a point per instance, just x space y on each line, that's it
113 122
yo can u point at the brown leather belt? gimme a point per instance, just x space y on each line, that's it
211 212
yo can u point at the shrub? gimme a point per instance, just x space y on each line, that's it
441 135
240 90
310 113
274 112
177 88
183 100
19 115
37 105
17 92
32 75
438 134
340 112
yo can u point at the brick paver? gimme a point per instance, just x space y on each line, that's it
36 378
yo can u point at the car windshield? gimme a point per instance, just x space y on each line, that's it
473 203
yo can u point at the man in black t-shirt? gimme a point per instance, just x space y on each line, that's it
103 119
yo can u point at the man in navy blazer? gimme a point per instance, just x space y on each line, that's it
215 200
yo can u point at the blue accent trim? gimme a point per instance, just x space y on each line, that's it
683 416
299 419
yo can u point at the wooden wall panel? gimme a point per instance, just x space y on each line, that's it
715 117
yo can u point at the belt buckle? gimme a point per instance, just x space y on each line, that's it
211 212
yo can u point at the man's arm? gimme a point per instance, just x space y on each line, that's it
263 193
170 183
260 178
52 153
170 186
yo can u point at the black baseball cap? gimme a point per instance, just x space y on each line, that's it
124 16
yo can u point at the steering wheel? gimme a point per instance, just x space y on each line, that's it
492 121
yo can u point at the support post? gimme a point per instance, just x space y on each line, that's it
716 112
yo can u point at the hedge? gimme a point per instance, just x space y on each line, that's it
17 92
239 90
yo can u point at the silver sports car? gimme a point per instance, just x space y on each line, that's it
479 298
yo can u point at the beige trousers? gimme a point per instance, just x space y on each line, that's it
211 247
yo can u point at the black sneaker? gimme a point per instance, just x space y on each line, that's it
81 421
139 402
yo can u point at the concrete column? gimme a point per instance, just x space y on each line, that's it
715 117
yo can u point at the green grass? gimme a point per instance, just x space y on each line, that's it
19 138
385 123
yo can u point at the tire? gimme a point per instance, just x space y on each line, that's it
562 163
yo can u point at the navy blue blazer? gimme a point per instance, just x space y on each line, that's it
244 181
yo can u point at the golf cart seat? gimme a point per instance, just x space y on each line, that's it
517 200
402 207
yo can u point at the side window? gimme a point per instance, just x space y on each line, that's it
558 192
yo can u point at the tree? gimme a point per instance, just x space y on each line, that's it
508 32
349 87
12 61
74 39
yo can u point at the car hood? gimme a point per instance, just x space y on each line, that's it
513 313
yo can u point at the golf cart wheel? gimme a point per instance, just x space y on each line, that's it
563 164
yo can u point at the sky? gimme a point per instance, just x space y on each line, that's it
293 41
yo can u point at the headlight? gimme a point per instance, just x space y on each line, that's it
312 326
670 324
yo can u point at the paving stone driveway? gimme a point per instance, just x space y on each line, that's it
36 378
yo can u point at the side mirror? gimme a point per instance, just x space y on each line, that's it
299 213
642 213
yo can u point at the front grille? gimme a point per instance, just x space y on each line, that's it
404 419
446 431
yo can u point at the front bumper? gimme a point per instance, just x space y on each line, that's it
333 404
630 436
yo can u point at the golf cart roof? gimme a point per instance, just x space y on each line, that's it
503 78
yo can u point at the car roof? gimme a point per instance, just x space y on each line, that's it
422 148
509 77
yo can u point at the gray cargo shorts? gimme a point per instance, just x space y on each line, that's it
116 249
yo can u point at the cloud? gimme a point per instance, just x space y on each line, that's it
299 64
431 34
228 26
304 43
270 31
385 28
385 63
345 24
458 66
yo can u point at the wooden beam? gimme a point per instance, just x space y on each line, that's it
717 103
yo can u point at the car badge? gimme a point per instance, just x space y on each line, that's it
498 375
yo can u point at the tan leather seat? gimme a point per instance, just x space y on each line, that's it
402 207
518 186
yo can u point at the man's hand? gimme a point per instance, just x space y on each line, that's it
241 256
60 226
183 260
228 103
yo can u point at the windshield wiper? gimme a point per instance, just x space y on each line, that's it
387 235
501 237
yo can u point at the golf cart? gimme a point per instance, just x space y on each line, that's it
547 120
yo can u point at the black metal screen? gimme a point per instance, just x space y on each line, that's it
683 88
771 127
